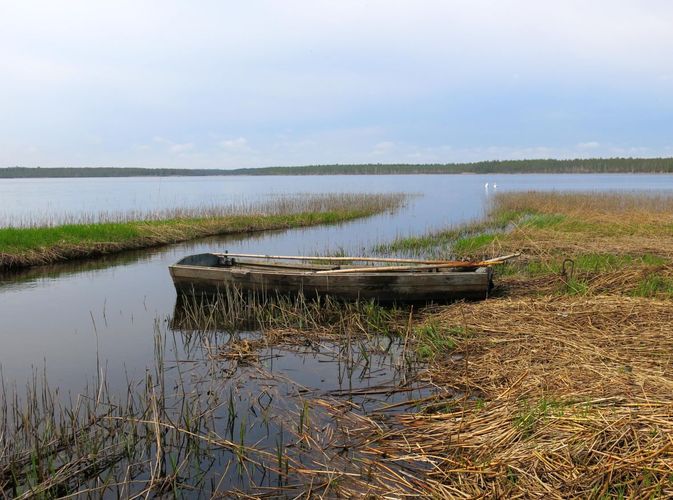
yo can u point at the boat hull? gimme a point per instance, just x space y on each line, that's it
193 277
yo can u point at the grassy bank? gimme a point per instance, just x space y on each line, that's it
26 246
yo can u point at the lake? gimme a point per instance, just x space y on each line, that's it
50 313
71 320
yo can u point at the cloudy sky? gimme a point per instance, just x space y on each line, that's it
243 84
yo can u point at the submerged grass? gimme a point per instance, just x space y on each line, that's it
441 243
287 320
211 422
25 246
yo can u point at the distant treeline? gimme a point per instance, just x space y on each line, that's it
578 166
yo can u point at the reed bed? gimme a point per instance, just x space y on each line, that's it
561 398
560 386
26 246
216 418
580 223
284 204
284 320
544 224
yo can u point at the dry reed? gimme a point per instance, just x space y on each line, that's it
573 223
560 391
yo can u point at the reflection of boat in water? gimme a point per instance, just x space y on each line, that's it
415 281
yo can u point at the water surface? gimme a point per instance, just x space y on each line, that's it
73 314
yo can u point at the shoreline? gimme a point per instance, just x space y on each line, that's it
563 376
22 247
159 233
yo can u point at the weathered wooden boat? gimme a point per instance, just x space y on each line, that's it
415 281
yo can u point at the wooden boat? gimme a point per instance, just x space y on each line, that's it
415 281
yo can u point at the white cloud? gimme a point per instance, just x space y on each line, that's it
588 145
235 145
181 148
383 148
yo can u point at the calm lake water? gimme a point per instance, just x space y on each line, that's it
64 320
68 314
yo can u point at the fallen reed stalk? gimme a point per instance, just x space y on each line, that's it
563 398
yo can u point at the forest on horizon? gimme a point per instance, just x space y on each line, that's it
539 166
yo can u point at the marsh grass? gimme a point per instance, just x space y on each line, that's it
286 319
560 387
599 231
565 376
433 340
654 285
562 397
209 424
31 245
599 223
283 204
443 244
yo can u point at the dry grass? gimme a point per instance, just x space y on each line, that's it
572 223
563 398
564 383
560 387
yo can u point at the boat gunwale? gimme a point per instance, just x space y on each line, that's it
314 272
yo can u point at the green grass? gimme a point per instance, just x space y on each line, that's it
575 286
470 238
25 246
530 414
559 222
471 244
589 262
654 285
433 340
442 244
27 239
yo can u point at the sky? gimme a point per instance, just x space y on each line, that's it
229 84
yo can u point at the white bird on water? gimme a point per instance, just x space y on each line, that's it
495 186
486 186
